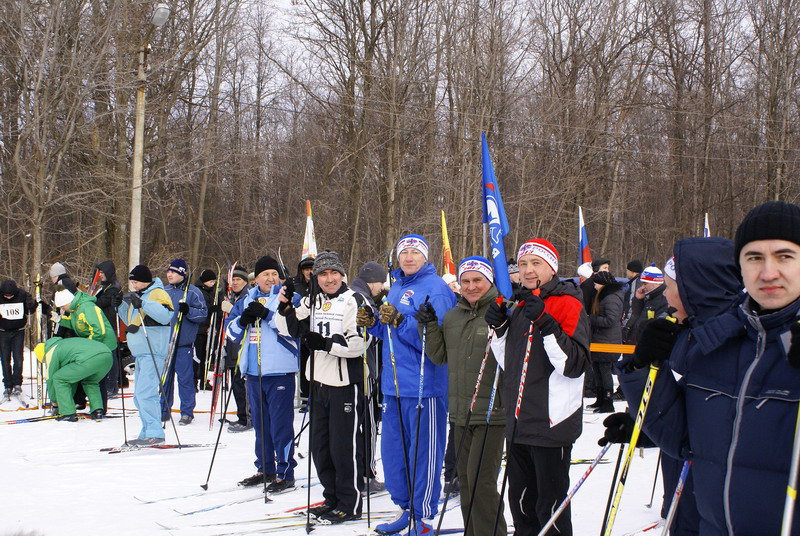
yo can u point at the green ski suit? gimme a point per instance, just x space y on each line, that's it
72 361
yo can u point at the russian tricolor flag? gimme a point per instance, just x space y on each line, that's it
706 227
584 254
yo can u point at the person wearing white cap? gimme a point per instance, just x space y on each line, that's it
648 303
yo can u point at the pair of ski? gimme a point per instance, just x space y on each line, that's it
161 446
52 417
19 397
295 517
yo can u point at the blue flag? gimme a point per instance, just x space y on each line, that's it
495 216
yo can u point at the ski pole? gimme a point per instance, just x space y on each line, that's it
655 481
219 434
611 488
573 491
676 497
309 403
626 464
517 411
155 367
469 417
474 483
791 489
419 412
400 417
261 406
367 451
119 377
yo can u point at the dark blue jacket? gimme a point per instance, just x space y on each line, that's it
728 400
197 314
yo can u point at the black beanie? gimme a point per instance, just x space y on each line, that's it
268 263
774 220
207 275
635 266
597 263
327 260
141 273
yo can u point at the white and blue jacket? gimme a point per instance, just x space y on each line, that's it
279 353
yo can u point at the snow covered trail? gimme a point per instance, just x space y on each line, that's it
57 482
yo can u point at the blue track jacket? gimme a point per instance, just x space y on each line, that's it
407 294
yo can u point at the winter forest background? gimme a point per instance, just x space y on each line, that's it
647 113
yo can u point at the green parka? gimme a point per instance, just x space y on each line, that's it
87 320
460 342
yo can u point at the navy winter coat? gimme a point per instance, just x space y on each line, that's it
728 400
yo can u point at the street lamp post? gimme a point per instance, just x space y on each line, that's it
160 15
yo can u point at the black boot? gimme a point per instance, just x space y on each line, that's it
600 394
607 406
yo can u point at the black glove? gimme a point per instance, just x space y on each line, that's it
365 317
247 318
132 299
116 300
257 310
534 307
655 343
315 341
46 308
289 292
390 316
183 307
426 314
497 318
603 278
132 329
214 309
794 349
619 427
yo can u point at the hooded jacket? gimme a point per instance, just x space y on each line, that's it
605 324
108 295
14 310
198 313
653 305
87 320
157 313
551 409
460 342
727 399
407 294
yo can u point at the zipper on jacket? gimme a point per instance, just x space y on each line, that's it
737 422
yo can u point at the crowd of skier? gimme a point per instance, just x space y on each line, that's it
714 380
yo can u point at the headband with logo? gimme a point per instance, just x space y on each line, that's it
476 264
413 241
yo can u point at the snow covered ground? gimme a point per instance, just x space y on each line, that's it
56 481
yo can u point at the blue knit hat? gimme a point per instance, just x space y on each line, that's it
179 267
